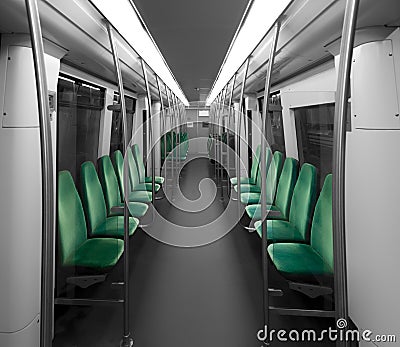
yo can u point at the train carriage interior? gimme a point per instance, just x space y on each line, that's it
199 173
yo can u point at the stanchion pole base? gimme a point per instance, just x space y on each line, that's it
127 341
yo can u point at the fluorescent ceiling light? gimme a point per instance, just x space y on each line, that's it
122 15
259 20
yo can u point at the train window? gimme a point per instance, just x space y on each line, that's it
314 128
79 112
117 128
275 134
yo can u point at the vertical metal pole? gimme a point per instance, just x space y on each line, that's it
239 128
161 115
339 160
178 132
228 132
176 121
48 217
171 108
221 143
126 340
153 161
216 136
263 170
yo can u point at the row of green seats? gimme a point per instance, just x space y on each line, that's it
177 143
296 225
76 249
314 258
300 241
102 201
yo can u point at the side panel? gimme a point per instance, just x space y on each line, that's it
373 190
20 191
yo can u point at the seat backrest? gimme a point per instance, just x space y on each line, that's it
71 218
286 185
133 170
268 162
303 199
118 163
139 162
109 183
92 196
274 172
255 164
322 227
287 182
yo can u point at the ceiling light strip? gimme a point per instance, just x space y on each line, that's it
259 21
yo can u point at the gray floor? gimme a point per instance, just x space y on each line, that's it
204 296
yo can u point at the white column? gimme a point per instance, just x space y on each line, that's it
250 103
138 126
243 144
105 125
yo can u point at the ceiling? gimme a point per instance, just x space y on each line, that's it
193 37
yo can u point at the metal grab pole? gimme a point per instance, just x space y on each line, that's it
263 170
217 141
48 217
171 126
127 339
161 115
228 131
339 159
153 161
238 131
221 143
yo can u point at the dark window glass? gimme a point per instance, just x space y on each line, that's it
314 128
79 113
117 127
275 132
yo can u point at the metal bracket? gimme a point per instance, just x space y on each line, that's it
86 281
311 290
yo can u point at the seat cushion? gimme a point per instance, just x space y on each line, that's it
96 253
158 179
243 180
140 196
147 187
254 212
280 231
297 259
248 188
250 198
114 227
136 209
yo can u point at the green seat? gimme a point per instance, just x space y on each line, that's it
256 188
315 258
274 171
284 193
137 192
141 169
74 246
139 185
253 172
301 207
134 196
111 191
95 207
